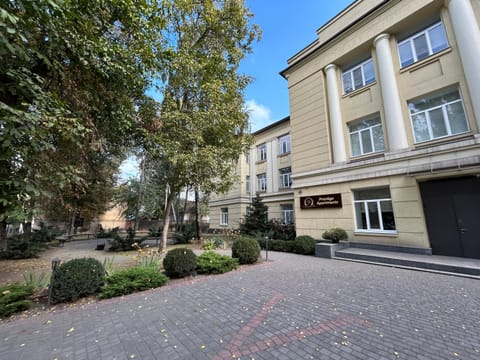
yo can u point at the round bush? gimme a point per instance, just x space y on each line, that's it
212 263
77 278
335 235
179 262
304 245
246 250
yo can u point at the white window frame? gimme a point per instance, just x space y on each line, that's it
284 146
262 182
350 72
426 33
262 152
288 215
370 131
224 216
285 178
365 203
445 117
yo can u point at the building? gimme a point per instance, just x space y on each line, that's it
384 123
266 170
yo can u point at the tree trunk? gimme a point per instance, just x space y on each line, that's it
166 224
3 235
71 225
197 215
182 220
27 230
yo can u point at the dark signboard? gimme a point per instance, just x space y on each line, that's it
321 201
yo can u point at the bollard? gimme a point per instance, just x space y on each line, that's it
55 264
266 248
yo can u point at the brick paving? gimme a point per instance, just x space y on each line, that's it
293 307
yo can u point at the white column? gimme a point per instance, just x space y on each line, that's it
269 167
274 174
467 35
335 115
395 126
253 175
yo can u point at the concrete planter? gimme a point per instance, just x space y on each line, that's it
327 250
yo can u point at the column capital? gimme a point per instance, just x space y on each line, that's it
331 67
381 37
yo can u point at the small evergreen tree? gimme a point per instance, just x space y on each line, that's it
256 220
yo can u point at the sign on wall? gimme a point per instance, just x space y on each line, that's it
321 201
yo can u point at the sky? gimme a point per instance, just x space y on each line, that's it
287 27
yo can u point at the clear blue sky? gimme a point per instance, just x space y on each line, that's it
287 27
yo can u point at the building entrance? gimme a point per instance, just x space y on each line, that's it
452 214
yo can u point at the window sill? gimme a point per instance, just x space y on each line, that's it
378 154
443 140
260 161
424 62
360 90
284 154
375 233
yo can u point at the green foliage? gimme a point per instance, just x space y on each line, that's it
45 234
19 248
246 250
277 245
256 220
213 244
14 298
39 281
179 262
76 278
304 245
187 233
212 263
335 234
132 280
278 231
126 243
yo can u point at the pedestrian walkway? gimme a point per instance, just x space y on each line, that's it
446 264
291 307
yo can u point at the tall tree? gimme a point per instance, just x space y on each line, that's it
203 119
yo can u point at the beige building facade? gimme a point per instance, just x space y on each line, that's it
266 170
384 126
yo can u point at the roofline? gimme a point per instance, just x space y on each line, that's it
328 41
276 123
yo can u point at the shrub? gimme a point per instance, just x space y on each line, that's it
335 235
179 262
76 278
186 233
19 248
213 244
279 231
246 250
14 298
213 263
102 234
45 234
131 280
276 245
304 245
124 243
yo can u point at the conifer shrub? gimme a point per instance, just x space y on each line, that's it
212 263
246 250
76 278
304 245
14 298
132 280
179 262
335 235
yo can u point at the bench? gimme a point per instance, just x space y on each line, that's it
66 237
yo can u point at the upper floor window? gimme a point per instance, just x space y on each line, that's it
438 115
287 214
373 210
358 76
285 178
262 182
247 157
284 144
366 136
423 44
247 183
262 152
224 216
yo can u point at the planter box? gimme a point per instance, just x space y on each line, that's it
327 250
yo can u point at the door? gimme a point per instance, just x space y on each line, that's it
467 209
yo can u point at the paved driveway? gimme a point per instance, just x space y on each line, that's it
293 307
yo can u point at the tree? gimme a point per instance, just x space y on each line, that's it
202 115
256 220
72 82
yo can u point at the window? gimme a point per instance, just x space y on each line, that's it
224 217
247 158
373 210
284 144
247 183
262 152
287 214
423 44
262 182
358 76
285 178
366 136
438 115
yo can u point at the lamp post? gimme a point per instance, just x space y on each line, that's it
266 248
55 263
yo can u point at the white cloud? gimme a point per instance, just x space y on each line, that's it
259 115
129 168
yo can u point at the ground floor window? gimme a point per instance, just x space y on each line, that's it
287 214
224 217
373 210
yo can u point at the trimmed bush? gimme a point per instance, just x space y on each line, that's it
335 235
132 280
77 278
179 262
246 250
14 298
304 245
19 248
213 263
124 243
